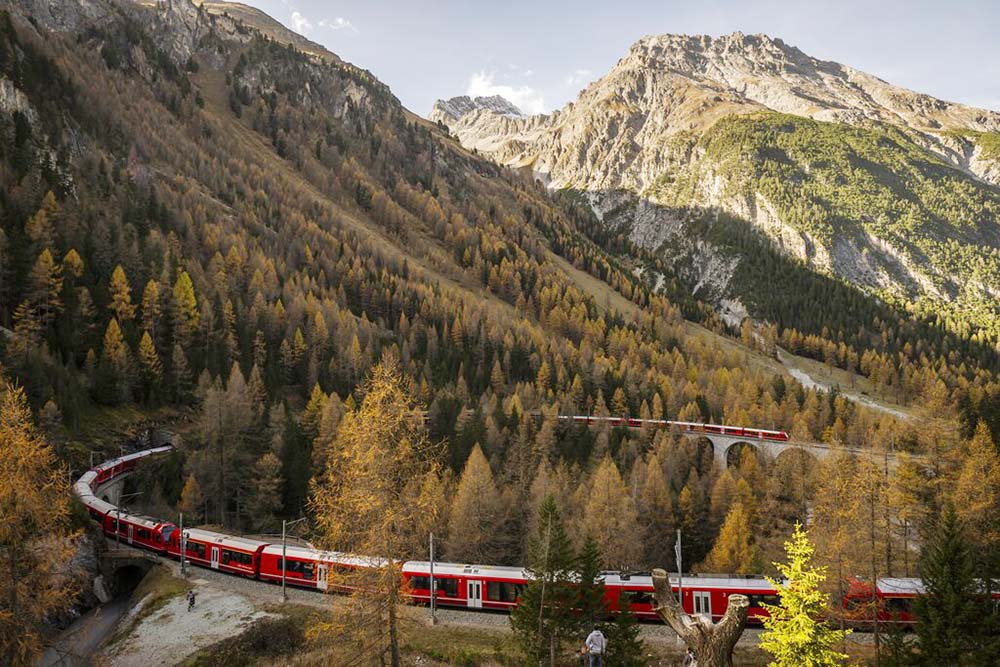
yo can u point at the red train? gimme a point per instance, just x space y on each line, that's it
683 427
486 587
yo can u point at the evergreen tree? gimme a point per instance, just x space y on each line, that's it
625 646
591 604
793 634
181 374
544 618
953 613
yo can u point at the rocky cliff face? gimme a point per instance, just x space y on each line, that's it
645 141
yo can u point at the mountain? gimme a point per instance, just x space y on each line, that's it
457 107
887 189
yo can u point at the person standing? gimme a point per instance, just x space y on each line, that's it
689 659
190 599
596 646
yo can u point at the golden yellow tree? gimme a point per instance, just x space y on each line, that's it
477 513
121 296
192 502
976 496
733 550
610 517
359 503
34 534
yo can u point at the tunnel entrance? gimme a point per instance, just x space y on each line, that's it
126 578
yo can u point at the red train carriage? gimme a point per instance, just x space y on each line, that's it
686 427
702 594
137 530
238 555
470 586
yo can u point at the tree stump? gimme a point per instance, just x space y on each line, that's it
712 643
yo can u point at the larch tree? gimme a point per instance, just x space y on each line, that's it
358 504
265 492
35 540
192 502
116 365
976 498
152 308
121 296
610 517
152 369
733 551
184 310
794 633
477 514
46 281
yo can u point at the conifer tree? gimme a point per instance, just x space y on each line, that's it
359 501
152 369
544 617
591 605
192 502
115 365
46 283
475 521
34 534
121 296
954 614
733 551
610 517
184 309
152 309
265 492
793 634
625 646
180 373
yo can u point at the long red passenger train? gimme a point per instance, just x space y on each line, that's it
487 587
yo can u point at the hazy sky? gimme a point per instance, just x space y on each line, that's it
540 53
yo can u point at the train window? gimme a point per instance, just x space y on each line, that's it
502 591
167 532
302 568
898 605
641 597
237 558
447 587
420 583
760 600
196 549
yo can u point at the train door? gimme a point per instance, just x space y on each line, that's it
474 593
215 558
322 578
130 527
703 603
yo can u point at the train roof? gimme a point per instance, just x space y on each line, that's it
462 569
133 457
222 539
699 581
96 504
331 557
142 520
901 586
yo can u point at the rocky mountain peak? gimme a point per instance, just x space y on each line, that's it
456 107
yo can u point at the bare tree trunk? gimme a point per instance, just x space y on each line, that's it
712 643
393 624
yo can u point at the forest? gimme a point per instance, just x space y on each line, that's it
235 237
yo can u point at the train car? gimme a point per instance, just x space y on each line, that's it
141 531
701 594
313 568
109 470
470 586
237 555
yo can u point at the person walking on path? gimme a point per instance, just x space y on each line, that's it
190 599
596 646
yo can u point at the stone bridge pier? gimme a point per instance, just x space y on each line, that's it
722 445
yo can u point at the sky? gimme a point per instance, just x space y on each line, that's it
539 54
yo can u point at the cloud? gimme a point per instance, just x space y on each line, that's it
300 23
338 23
578 77
526 98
